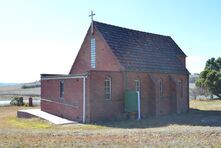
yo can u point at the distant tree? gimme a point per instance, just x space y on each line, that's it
193 78
198 91
210 77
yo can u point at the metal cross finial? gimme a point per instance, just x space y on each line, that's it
91 15
92 27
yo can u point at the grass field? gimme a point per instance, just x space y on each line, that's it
201 127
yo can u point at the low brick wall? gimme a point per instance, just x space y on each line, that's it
62 110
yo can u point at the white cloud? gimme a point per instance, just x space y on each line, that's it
195 64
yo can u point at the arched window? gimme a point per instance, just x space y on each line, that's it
107 88
180 87
161 87
137 85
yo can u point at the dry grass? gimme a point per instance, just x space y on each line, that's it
201 127
206 104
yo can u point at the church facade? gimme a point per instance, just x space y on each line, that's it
111 61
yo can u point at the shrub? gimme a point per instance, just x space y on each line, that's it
17 101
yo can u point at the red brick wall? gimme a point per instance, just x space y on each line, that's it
101 109
163 103
105 60
147 91
62 110
182 100
151 101
50 89
171 101
97 108
70 106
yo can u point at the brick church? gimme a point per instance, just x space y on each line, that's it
111 61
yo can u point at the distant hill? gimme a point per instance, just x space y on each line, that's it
31 85
9 90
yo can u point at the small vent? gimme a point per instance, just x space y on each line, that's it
93 53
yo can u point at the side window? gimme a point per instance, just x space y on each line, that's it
61 89
107 88
180 87
161 87
137 85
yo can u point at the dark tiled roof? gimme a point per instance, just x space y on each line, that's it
141 51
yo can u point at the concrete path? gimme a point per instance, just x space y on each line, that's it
43 115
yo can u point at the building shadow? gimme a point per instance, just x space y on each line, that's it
194 117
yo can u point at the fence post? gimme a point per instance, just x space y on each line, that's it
30 103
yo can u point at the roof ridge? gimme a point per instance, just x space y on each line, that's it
132 29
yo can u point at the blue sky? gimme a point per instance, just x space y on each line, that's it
44 36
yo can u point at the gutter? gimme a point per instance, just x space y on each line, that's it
57 77
138 99
84 99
